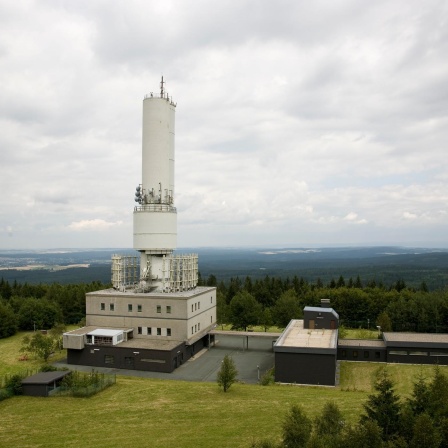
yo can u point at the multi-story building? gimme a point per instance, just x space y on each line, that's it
155 317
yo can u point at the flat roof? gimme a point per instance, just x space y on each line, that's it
45 377
105 332
137 343
431 338
91 329
296 336
172 295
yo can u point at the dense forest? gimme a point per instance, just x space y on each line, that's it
268 301
275 301
28 307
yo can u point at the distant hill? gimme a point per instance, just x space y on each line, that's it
382 264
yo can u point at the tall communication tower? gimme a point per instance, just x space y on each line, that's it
155 217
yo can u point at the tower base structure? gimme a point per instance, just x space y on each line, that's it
142 331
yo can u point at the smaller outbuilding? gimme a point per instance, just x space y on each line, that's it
306 356
43 384
315 317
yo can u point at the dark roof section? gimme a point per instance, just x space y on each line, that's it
429 340
45 377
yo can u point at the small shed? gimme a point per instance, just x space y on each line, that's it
43 383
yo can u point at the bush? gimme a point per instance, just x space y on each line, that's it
268 377
48 368
4 394
14 384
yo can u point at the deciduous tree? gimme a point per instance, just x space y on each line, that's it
244 310
40 345
227 374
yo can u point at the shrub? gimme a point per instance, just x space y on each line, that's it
14 384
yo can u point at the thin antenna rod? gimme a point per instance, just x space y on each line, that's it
161 88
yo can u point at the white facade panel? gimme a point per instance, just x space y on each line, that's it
155 230
158 147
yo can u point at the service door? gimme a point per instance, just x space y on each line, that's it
332 325
311 324
129 362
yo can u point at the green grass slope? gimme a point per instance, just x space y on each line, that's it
154 413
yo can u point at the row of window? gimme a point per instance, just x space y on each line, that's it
197 306
355 354
130 308
366 354
158 331
416 353
196 328
110 359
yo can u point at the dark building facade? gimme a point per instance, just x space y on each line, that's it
136 354
320 317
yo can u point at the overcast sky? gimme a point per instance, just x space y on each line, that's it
298 123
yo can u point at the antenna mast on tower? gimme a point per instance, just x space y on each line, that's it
161 88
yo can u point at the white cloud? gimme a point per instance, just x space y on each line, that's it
293 124
93 224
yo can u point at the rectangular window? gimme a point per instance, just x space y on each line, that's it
139 330
103 306
148 331
168 331
159 308
139 308
168 309
199 305
112 307
417 353
398 352
192 330
129 307
192 308
438 353
159 331
344 353
195 306
355 353
366 354
211 299
195 328
109 359
199 326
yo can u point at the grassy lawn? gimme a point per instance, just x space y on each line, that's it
10 354
149 412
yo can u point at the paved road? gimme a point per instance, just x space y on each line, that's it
205 365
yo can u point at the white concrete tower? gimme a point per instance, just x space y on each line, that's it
155 218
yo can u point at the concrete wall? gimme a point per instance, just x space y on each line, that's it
188 316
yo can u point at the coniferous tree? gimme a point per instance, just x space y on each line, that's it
383 406
296 429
